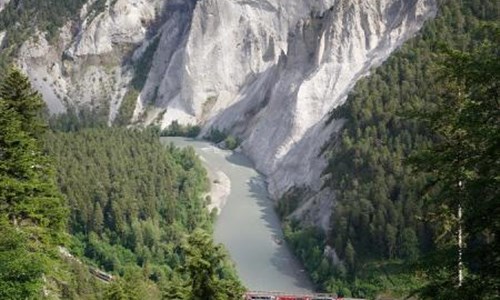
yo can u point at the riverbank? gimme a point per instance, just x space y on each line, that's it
220 187
247 224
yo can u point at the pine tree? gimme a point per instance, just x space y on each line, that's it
205 267
177 288
16 90
27 182
350 255
21 268
98 220
465 167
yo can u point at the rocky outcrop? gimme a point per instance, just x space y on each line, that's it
91 61
269 71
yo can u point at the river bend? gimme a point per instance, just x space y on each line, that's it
248 225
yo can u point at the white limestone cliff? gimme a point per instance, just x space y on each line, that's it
269 71
88 63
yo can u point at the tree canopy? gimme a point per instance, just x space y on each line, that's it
465 167
32 211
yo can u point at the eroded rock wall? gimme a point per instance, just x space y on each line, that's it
269 71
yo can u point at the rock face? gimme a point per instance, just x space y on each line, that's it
3 3
91 61
269 71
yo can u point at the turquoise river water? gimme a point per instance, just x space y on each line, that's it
248 225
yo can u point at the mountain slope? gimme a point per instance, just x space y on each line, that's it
381 217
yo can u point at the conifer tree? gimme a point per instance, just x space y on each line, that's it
32 214
465 167
19 96
27 182
205 266
21 267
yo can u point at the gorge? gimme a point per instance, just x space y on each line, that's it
269 72
325 98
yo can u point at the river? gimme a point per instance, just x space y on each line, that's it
248 225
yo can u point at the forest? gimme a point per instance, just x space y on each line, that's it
385 222
77 198
421 132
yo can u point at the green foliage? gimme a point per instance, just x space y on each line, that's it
76 120
176 129
21 267
46 16
95 8
142 67
77 282
391 276
32 214
205 265
126 110
215 135
312 240
16 90
27 188
467 122
134 285
380 201
231 142
134 195
290 201
133 202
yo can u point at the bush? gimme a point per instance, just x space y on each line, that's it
176 129
215 135
231 142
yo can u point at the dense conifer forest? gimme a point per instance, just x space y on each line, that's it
380 224
82 198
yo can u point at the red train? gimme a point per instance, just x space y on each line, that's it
280 296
